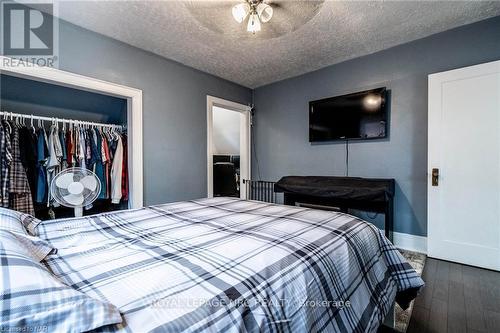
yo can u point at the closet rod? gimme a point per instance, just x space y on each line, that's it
59 120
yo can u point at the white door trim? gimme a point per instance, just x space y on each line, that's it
245 141
133 96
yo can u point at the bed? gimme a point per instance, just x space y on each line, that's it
231 265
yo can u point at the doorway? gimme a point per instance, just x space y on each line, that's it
228 147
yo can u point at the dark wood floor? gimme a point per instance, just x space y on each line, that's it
457 299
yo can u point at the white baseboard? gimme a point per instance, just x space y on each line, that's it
410 242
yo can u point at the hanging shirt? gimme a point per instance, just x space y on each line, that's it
88 149
46 140
54 160
116 173
112 147
42 152
124 169
106 158
19 190
104 147
99 166
95 156
55 149
64 157
29 157
81 149
70 154
6 155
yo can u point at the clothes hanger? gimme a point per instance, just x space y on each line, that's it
32 127
7 122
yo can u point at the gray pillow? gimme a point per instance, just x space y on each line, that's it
16 221
32 299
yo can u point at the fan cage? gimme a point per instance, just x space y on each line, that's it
89 196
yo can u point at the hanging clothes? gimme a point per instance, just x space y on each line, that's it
19 190
116 173
88 148
76 145
42 153
6 155
94 151
124 169
81 149
113 143
70 154
62 143
54 160
29 157
99 165
106 160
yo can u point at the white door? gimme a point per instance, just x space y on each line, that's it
464 147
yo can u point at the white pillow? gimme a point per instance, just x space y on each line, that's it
16 223
32 299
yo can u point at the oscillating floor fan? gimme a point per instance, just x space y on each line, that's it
75 188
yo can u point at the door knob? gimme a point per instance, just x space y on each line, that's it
435 177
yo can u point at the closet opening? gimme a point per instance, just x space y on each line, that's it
47 128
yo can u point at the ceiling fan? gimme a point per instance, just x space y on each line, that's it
258 12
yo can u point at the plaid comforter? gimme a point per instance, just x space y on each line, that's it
229 265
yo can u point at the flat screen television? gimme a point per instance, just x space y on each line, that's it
361 116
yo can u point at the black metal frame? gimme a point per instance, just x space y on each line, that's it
260 190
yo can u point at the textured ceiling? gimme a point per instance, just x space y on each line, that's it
302 37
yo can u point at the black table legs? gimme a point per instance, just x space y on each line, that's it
389 219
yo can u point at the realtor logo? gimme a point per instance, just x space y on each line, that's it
29 32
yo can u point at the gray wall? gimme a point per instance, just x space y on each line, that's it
174 97
281 122
49 100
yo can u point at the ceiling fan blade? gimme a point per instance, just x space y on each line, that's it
75 200
64 180
89 182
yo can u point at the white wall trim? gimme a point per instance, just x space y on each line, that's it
245 134
410 242
133 96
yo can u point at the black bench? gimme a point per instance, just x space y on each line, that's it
367 194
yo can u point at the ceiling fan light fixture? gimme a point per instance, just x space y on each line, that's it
253 23
265 12
240 11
